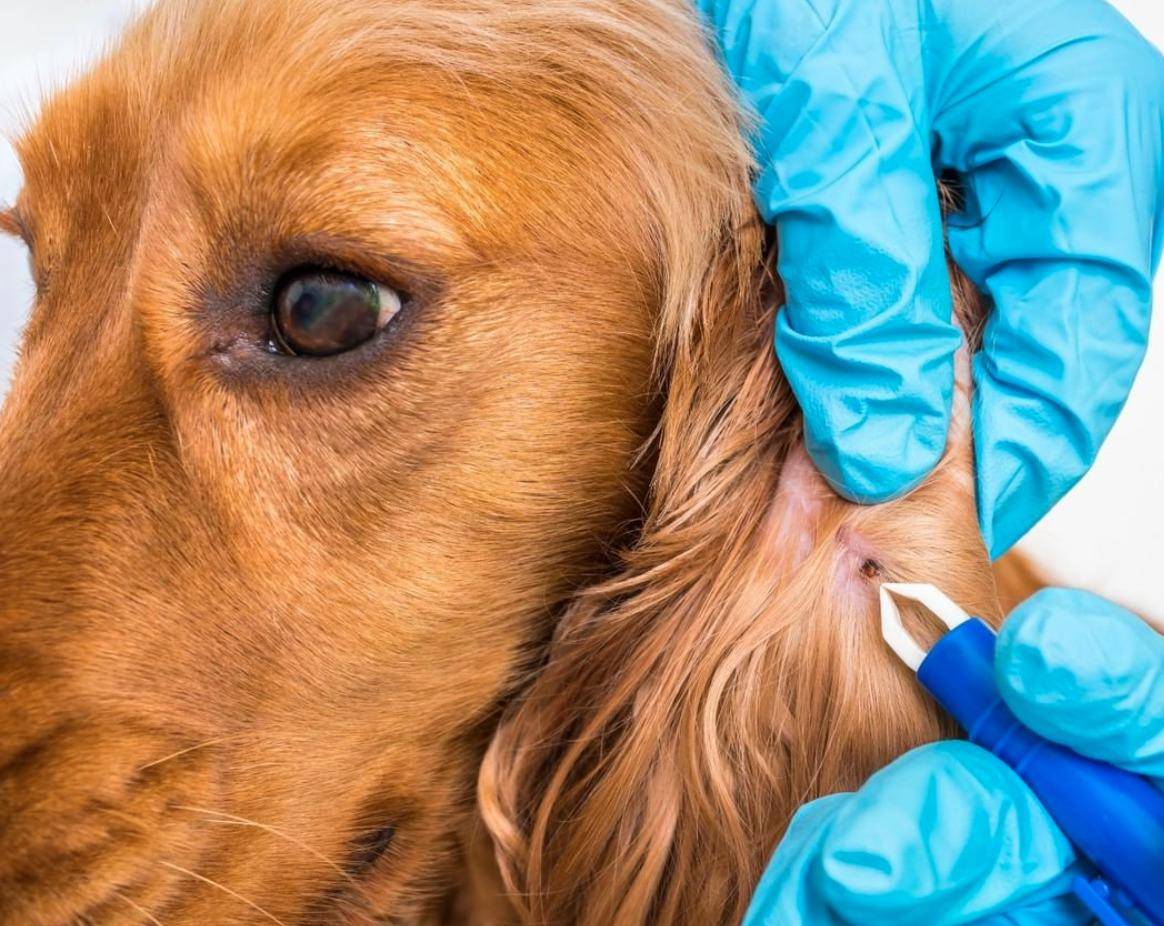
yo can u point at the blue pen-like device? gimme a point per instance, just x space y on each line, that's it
1113 817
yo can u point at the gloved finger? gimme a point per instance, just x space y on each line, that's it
1063 154
787 893
865 337
1088 674
947 834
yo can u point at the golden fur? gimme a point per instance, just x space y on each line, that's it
540 576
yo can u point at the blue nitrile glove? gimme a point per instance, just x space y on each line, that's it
948 834
1051 111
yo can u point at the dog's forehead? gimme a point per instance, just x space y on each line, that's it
146 110
241 102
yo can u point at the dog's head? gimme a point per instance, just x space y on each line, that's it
340 362
353 321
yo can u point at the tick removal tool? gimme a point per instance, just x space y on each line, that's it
1113 817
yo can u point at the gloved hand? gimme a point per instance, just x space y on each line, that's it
948 834
1051 111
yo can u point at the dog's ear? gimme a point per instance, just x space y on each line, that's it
732 669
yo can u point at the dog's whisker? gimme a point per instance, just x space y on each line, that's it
181 752
210 882
233 820
109 218
138 907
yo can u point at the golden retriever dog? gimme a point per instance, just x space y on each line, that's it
403 518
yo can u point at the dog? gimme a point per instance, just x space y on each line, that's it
404 518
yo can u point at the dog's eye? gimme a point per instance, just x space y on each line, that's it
321 312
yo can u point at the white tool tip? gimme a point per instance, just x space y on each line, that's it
893 629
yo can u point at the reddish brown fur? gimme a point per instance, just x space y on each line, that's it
257 609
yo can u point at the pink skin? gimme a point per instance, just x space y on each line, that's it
804 502
800 504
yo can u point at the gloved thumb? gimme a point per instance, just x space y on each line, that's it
1088 674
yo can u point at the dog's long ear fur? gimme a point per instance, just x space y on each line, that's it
733 669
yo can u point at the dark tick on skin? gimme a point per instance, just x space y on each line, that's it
871 569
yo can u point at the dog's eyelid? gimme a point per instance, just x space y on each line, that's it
343 255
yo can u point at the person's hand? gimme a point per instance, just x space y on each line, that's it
948 834
1051 112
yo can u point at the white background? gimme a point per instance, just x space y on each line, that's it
1108 535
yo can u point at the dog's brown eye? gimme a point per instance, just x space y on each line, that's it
320 312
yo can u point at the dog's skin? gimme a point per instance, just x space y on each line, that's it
263 614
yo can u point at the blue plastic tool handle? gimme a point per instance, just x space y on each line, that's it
1099 897
1114 818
